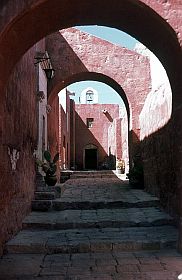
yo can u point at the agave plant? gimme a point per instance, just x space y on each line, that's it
50 168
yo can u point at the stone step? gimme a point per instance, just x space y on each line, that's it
66 172
69 219
93 240
63 204
91 172
42 193
94 175
45 195
88 174
64 178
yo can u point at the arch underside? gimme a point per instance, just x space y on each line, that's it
40 18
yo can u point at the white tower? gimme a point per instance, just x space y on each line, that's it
89 96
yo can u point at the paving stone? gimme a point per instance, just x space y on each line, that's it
87 240
20 264
44 195
97 234
41 205
97 218
89 265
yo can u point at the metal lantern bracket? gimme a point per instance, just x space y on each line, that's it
45 62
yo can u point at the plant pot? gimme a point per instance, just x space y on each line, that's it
137 184
51 180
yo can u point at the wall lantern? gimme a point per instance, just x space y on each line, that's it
49 73
45 62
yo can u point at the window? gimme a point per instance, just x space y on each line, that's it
89 96
90 122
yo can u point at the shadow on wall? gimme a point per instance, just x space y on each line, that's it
84 136
63 55
161 171
154 158
136 172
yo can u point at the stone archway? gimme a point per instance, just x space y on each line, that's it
128 146
146 20
93 76
24 23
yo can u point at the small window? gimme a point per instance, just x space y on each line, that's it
89 96
90 122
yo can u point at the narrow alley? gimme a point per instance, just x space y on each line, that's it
90 93
99 227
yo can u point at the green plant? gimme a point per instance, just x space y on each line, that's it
49 167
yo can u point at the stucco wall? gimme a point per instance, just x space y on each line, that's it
157 140
64 128
98 133
82 53
42 114
19 141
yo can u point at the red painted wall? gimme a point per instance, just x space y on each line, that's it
19 133
72 133
98 134
157 148
65 132
127 68
53 127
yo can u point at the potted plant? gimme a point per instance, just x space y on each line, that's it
135 176
120 166
49 167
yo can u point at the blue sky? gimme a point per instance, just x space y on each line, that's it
106 93
112 35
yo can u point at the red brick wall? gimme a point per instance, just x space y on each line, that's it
98 134
19 132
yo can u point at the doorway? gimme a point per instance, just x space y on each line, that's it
91 158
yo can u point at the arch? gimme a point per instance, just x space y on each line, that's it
137 18
110 82
95 77
100 78
122 68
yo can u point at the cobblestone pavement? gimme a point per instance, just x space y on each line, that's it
101 189
153 265
126 217
134 241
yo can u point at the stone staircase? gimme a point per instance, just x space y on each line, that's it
69 174
94 214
